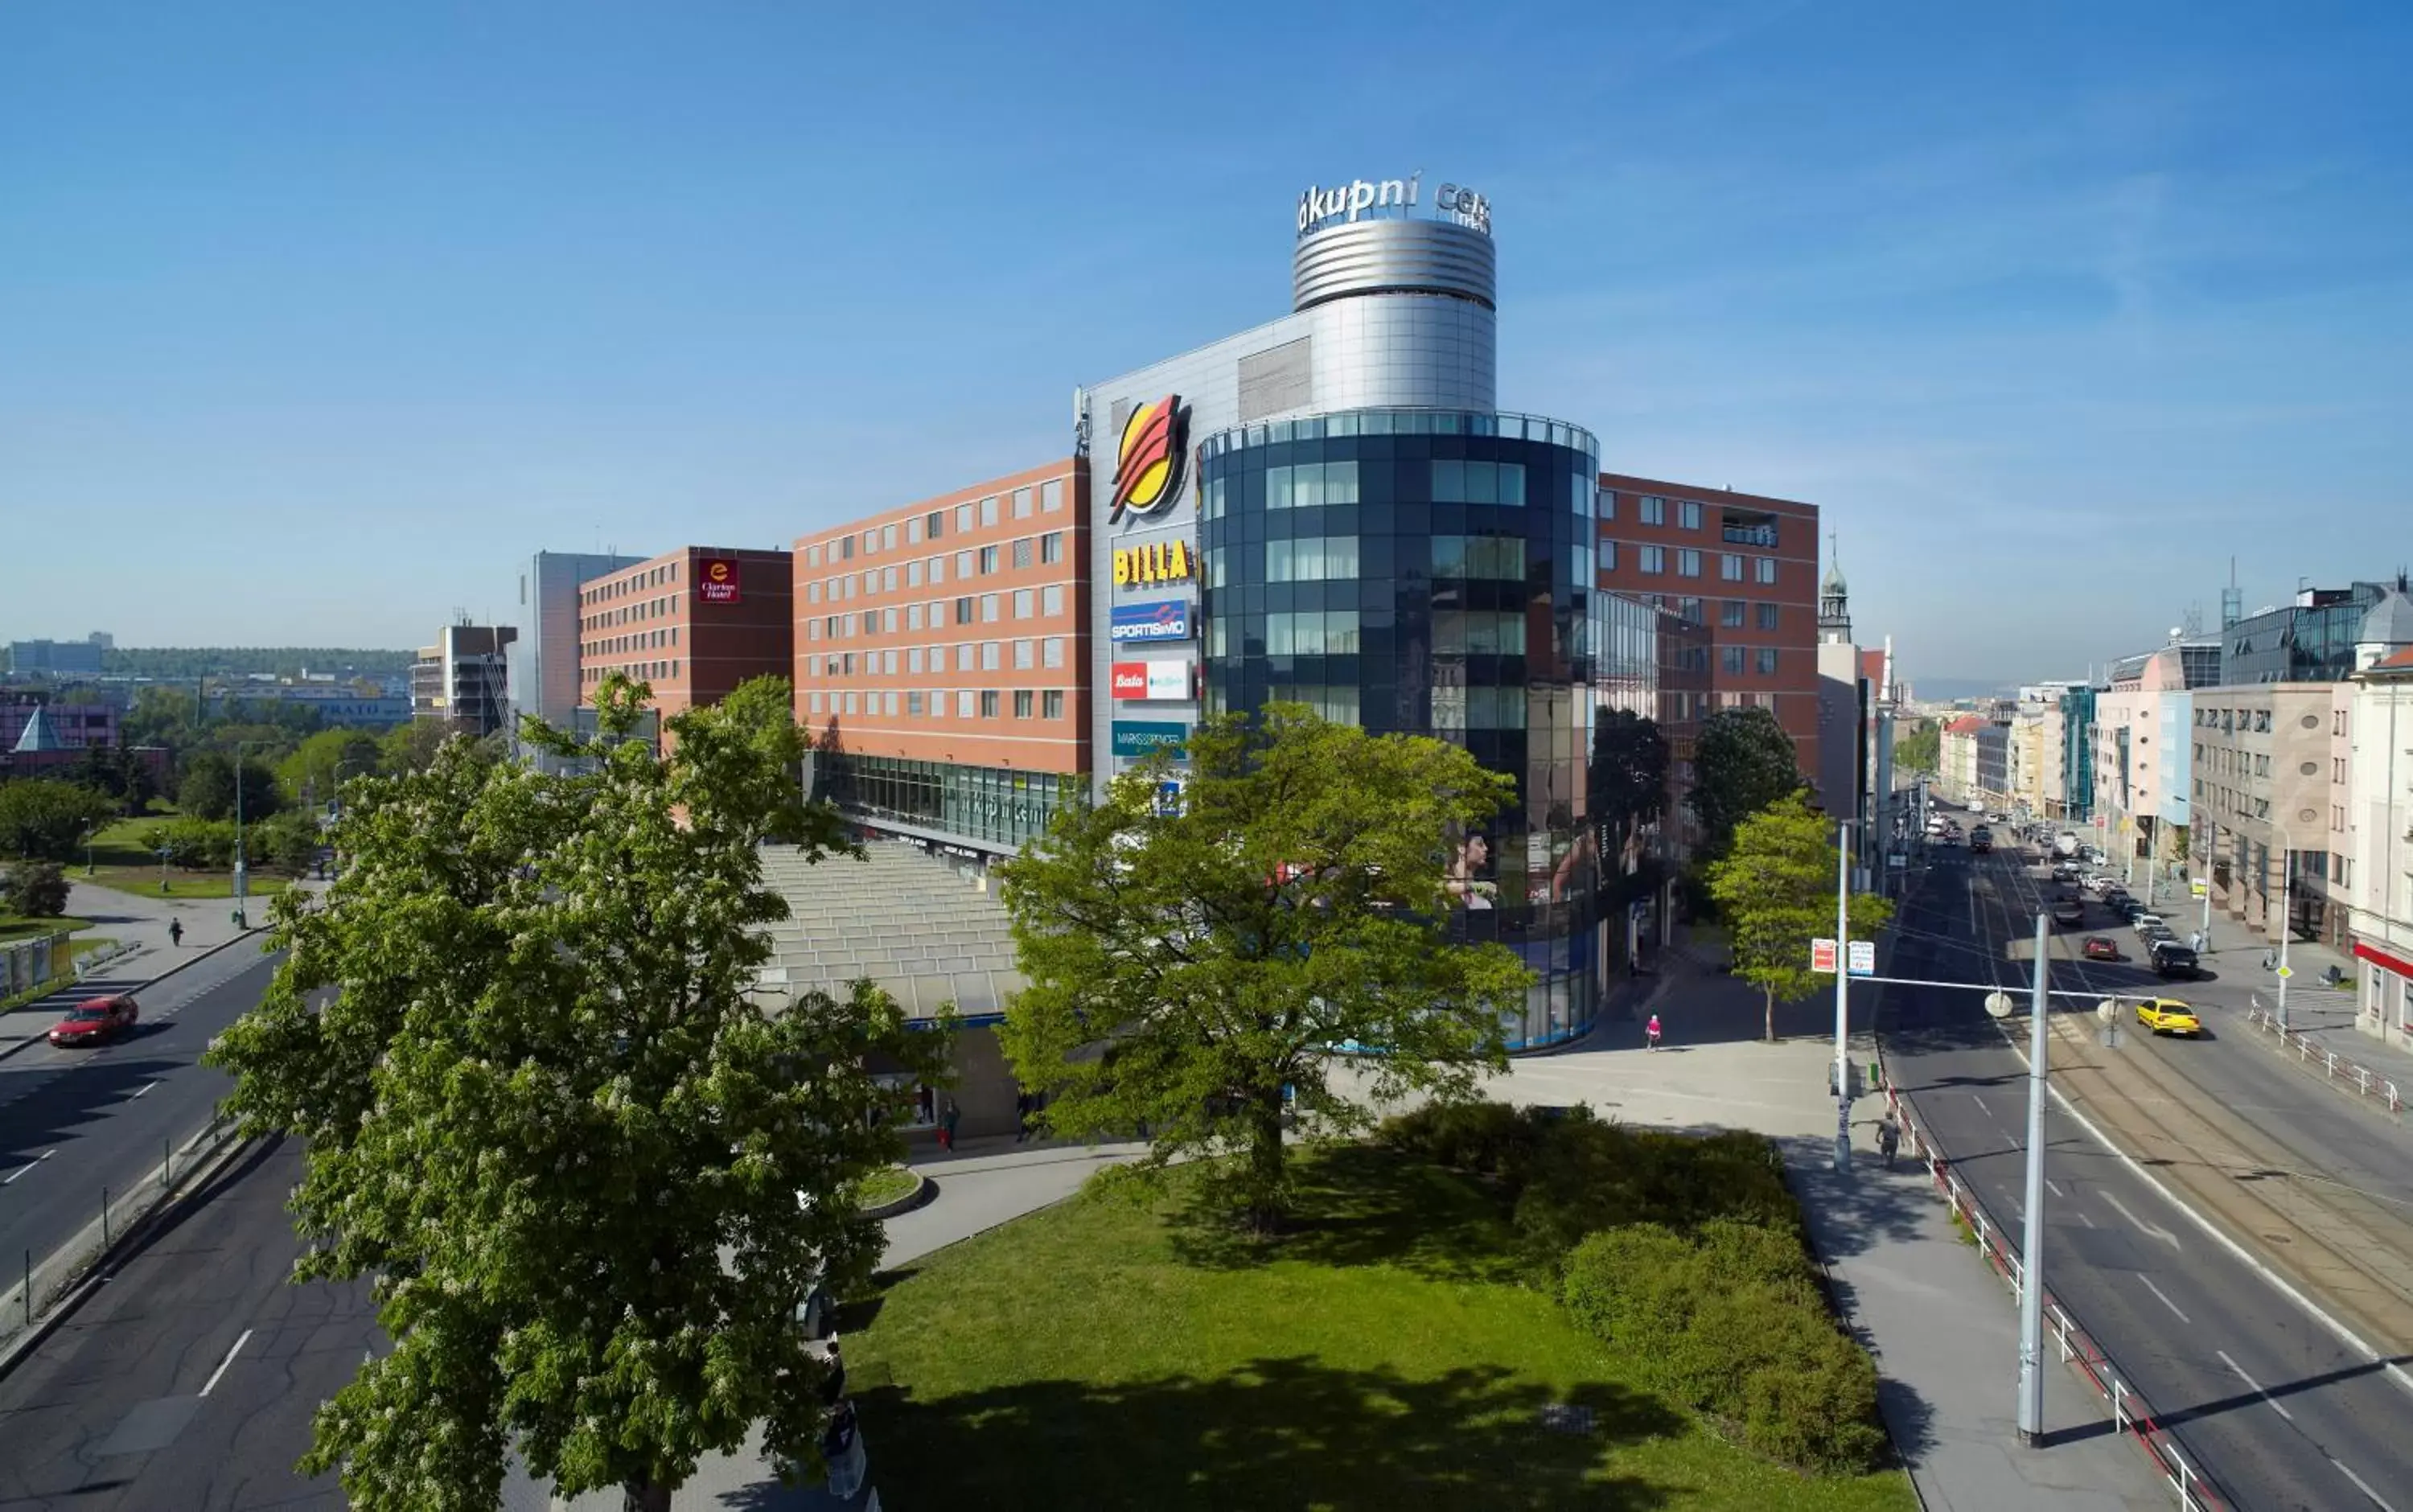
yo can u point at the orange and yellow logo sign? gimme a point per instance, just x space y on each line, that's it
716 580
1147 463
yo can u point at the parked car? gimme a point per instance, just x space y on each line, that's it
2168 1015
2064 871
2101 948
2143 920
2070 913
2171 959
95 1022
1981 841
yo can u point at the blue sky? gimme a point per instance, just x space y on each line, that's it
315 320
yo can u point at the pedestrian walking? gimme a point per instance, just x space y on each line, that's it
1888 1138
949 1116
175 933
2195 941
1650 1033
834 1384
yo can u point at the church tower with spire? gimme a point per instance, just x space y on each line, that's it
1834 600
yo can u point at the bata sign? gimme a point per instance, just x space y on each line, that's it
1156 681
716 579
1162 561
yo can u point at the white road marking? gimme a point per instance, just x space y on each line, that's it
2157 1292
2258 1390
2159 1232
2056 1187
237 1348
2088 1222
145 1088
29 1166
2360 1484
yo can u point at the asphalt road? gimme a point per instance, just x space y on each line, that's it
75 1122
2256 1392
186 1384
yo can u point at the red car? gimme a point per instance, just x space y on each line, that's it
95 1022
2101 948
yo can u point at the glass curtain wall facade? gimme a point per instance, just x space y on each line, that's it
948 800
1430 573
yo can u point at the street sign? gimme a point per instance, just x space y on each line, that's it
1862 959
2284 973
1822 956
2199 886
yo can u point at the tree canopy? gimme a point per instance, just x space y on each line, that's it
1922 749
1628 778
207 789
1775 889
590 1176
1190 963
1742 762
46 821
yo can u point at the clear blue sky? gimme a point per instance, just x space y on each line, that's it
315 318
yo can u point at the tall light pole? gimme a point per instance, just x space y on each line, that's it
1843 997
242 873
2286 919
2032 1242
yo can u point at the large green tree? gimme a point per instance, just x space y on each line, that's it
1742 762
48 821
317 765
207 789
1189 962
1922 749
1775 888
590 1175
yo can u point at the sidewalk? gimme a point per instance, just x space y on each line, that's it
141 922
2322 1013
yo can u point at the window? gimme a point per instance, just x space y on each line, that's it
1051 600
914 531
913 574
812 556
813 591
1765 657
989 511
913 658
1022 552
870 540
914 705
1653 560
1022 699
1768 615
887 538
1688 563
938 570
846 548
1022 604
1688 513
888 662
1689 610
992 655
967 704
1608 556
964 610
1765 568
1051 651
987 561
963 564
1654 509
1025 655
988 608
988 700
1730 612
1021 503
967 655
1051 547
1453 483
815 703
1051 496
963 518
1730 658
888 579
1051 703
1730 567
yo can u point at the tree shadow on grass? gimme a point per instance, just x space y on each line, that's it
1358 1205
1277 1432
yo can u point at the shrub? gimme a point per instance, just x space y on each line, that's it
1485 1138
1634 1285
1589 1175
37 889
194 844
1816 1407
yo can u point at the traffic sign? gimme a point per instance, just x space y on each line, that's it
1863 958
1822 956
2197 887
2284 973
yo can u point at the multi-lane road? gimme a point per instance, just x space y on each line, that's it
2260 1394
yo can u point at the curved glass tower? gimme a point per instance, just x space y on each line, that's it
1428 572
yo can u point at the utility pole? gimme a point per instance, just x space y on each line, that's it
2287 921
2031 1243
1843 997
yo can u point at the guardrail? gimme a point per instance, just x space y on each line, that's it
103 956
2129 1410
2342 1074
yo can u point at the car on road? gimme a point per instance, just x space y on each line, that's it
2143 920
2096 881
1981 841
2064 871
2173 958
96 1021
2168 1015
2101 948
2070 913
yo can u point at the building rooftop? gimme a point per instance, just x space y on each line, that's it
38 734
843 923
2390 622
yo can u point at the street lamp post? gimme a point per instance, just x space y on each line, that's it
2287 921
242 873
1842 998
2031 1407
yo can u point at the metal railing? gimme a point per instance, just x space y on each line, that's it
2130 1412
2342 1074
41 1283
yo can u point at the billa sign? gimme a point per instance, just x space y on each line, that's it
716 579
1157 681
1161 561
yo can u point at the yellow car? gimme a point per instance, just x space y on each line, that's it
2168 1015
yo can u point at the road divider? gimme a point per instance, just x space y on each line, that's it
2345 1074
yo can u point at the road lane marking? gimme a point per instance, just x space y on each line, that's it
145 1088
2056 1187
2156 1231
29 1166
247 1339
2165 1301
2360 1484
2258 1390
2088 1222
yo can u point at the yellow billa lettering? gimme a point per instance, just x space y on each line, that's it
1122 568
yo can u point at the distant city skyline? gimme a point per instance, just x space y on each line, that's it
321 322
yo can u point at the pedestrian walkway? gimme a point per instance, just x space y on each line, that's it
142 923
2323 1013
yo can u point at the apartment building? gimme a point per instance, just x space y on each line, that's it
939 652
1743 565
2270 803
464 679
692 623
2378 880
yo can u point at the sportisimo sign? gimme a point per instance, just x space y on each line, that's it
1162 619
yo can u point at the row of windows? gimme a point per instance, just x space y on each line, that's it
639 670
620 644
631 614
1736 527
1654 560
971 609
1481 556
1762 658
1048 498
1306 485
970 704
1023 553
969 656
652 577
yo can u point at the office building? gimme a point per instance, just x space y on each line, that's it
1745 565
939 656
66 726
58 659
2375 873
2311 640
545 680
464 679
692 624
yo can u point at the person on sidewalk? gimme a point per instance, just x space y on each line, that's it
949 1116
2195 941
175 933
1888 1138
1650 1033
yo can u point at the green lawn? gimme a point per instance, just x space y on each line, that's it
20 926
122 860
1384 1356
887 1184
